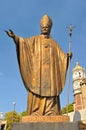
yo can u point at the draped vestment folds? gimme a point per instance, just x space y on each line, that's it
43 65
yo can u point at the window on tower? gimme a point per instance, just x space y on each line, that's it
79 74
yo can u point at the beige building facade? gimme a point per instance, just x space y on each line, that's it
79 87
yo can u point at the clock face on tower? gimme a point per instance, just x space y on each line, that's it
77 74
76 84
76 87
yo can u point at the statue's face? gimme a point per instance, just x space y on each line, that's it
45 30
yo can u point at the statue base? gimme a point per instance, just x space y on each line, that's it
58 118
45 123
46 126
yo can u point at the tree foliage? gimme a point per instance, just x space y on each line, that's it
24 113
11 117
70 108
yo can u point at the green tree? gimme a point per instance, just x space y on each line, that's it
63 110
24 113
70 108
11 117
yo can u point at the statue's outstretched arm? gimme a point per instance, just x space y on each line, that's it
11 34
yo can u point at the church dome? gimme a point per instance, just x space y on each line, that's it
77 67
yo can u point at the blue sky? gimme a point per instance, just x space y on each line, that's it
23 17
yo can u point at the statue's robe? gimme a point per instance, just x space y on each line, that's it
43 66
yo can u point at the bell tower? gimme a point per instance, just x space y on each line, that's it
78 74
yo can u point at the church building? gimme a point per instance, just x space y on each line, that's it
79 92
79 87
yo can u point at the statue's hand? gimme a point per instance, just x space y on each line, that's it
10 33
69 54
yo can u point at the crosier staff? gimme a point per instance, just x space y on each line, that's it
70 28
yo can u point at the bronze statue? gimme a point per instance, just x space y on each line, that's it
43 66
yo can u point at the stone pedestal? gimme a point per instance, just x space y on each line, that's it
46 126
59 118
45 123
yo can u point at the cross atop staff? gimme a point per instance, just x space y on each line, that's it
70 29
